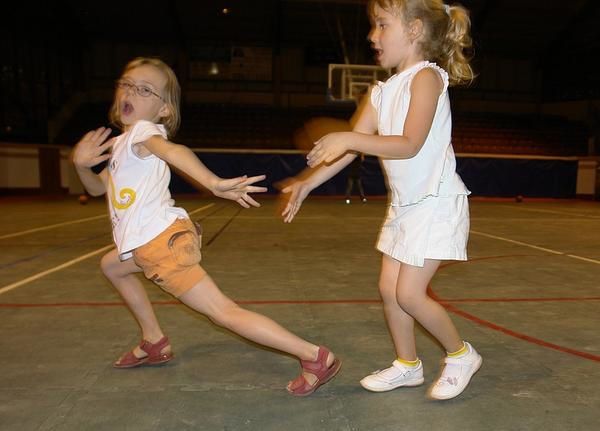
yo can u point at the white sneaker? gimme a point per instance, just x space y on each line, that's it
393 377
456 375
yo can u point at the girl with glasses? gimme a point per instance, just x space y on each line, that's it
156 237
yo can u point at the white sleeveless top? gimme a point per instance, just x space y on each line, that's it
432 171
138 194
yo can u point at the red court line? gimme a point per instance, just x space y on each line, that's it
495 327
515 334
446 304
301 302
248 302
559 299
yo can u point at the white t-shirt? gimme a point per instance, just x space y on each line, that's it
138 194
432 172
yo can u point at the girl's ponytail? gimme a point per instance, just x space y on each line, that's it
457 45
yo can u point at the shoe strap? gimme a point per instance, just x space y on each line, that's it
318 366
154 349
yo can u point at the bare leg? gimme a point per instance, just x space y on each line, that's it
122 275
400 323
411 294
207 299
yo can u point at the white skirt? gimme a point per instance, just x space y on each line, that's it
435 228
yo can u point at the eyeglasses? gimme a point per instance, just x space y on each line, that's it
140 90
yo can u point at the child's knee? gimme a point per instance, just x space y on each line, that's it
409 301
107 264
387 292
224 316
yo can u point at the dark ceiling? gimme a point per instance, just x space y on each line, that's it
516 28
557 41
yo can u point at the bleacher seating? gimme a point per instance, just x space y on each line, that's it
256 127
266 127
523 135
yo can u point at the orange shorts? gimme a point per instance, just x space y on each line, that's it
172 259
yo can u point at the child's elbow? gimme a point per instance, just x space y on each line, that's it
413 148
408 152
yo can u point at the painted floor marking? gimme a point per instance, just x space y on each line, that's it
71 262
547 250
51 270
52 226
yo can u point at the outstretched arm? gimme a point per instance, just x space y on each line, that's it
184 159
426 88
364 120
90 151
299 187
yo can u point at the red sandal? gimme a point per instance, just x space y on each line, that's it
154 356
301 387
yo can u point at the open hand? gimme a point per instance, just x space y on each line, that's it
237 189
90 150
328 148
298 190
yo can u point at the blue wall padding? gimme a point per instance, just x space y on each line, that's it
500 177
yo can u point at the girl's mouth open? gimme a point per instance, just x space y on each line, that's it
378 54
126 108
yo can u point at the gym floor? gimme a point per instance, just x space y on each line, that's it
528 299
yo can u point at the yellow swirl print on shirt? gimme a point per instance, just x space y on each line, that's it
126 196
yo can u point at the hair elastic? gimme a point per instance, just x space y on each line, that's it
447 9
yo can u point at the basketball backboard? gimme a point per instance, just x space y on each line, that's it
348 82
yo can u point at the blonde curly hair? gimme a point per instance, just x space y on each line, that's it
446 28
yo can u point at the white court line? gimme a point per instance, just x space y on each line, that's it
574 256
201 208
51 270
586 259
12 286
52 226
539 210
